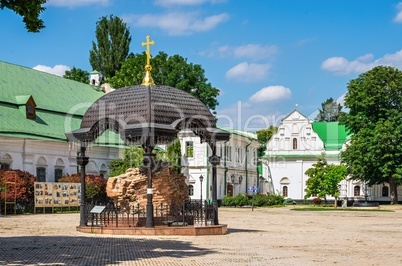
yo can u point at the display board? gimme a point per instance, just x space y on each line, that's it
55 194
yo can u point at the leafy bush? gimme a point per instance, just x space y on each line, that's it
289 201
259 200
317 201
19 184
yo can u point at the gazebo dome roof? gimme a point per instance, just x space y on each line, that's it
142 111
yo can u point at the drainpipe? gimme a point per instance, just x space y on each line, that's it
207 183
247 163
226 169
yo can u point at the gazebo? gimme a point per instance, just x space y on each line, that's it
147 115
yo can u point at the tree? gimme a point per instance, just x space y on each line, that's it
28 10
315 182
329 112
172 71
77 75
374 154
133 157
112 47
324 179
333 176
264 135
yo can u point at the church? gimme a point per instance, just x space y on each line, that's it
295 148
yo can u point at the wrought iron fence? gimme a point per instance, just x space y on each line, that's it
189 213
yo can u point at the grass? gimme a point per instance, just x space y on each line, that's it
318 209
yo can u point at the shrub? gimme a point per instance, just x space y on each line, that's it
20 185
317 201
259 200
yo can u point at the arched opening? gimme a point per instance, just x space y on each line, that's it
191 190
285 191
295 143
356 191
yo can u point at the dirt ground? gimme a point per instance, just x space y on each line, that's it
265 236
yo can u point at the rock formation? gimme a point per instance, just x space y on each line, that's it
131 188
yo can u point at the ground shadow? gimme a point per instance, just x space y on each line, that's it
241 230
62 250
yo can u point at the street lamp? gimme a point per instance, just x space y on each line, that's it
201 179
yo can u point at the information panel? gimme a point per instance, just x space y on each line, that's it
55 194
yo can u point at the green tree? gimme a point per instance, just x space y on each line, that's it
77 75
374 154
28 10
174 155
172 71
315 182
329 112
264 135
112 47
133 157
334 174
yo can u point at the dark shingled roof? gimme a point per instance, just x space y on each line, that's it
140 111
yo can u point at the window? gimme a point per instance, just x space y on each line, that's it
356 191
58 173
385 191
191 190
228 153
189 149
4 166
295 143
285 191
41 174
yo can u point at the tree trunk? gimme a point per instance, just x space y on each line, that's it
336 202
393 190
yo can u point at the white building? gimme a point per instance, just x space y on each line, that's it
295 148
237 170
36 110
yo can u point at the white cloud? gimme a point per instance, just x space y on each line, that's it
246 72
176 23
271 93
398 17
167 3
75 3
342 66
250 51
58 70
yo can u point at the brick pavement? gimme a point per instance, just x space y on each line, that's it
276 236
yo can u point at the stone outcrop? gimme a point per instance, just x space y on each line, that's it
131 188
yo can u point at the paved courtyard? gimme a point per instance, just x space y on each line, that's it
274 236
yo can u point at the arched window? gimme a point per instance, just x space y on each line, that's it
191 190
385 191
295 143
356 191
285 191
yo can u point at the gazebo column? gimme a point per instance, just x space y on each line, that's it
82 161
149 163
214 160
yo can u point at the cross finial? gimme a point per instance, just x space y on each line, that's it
148 43
147 80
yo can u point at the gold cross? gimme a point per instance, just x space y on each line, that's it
148 51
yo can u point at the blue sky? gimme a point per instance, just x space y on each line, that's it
265 56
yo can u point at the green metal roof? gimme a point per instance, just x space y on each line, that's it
60 103
331 133
245 134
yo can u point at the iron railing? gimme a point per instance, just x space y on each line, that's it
189 213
